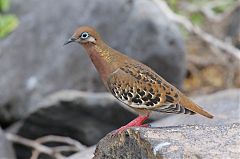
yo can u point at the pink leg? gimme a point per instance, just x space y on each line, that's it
136 122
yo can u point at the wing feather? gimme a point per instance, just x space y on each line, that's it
140 87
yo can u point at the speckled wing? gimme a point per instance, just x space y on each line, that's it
138 86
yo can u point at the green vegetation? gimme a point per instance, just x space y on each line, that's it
8 22
223 7
195 14
197 18
173 5
4 5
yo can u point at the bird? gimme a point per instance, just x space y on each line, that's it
132 82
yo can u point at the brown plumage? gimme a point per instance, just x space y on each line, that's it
132 82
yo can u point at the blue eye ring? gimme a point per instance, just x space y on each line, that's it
84 35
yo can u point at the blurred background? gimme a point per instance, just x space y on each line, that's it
50 89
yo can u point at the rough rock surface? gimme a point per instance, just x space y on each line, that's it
173 142
224 105
85 154
6 150
86 117
35 63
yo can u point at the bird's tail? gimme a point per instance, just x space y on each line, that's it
187 103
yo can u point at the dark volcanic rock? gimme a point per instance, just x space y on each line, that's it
86 117
191 142
6 150
89 116
35 63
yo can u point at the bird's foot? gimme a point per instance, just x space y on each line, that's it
136 122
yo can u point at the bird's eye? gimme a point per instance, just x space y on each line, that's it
84 35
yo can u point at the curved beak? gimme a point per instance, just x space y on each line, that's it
72 39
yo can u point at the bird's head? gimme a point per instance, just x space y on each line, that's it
84 35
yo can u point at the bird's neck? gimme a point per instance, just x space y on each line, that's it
104 59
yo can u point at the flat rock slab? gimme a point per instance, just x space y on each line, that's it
173 142
224 105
